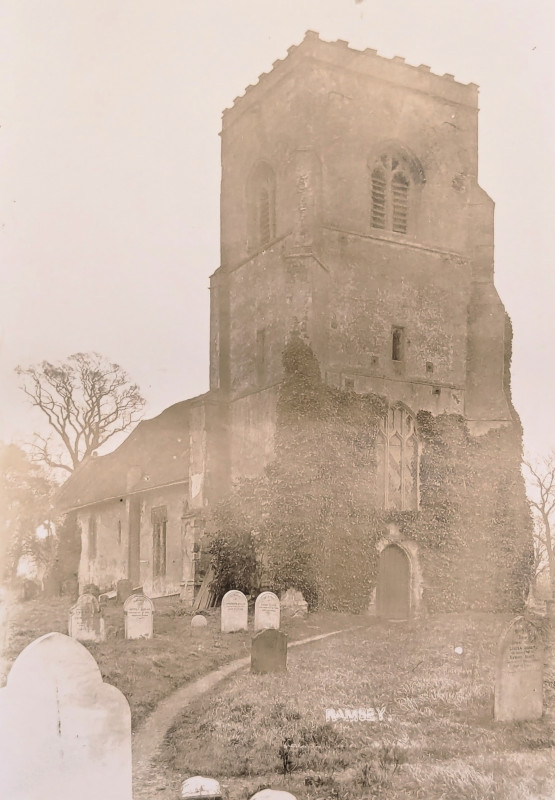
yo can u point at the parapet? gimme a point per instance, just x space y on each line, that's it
366 62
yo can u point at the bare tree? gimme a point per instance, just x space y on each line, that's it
86 399
541 490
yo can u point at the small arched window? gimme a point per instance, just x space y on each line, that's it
92 537
390 193
397 454
261 207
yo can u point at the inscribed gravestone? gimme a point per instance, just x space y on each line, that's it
138 612
235 610
64 734
519 674
266 611
198 621
269 652
86 622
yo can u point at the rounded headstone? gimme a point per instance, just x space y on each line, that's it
200 787
234 612
266 611
198 621
138 612
273 794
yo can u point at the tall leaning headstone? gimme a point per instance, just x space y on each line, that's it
86 621
266 611
64 734
519 673
235 612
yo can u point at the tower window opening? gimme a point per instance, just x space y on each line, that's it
261 207
264 222
397 344
92 537
390 195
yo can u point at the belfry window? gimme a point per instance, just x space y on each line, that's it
390 191
397 453
261 207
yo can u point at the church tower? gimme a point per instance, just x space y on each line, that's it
351 212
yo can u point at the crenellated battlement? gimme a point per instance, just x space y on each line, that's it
368 62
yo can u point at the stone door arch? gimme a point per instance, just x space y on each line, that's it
393 586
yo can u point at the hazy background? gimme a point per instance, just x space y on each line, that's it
109 170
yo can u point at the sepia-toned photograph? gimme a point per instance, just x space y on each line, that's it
277 458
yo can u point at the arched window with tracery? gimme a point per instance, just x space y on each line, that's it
391 188
261 191
397 455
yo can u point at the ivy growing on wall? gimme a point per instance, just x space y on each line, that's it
313 520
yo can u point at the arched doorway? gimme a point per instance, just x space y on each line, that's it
393 588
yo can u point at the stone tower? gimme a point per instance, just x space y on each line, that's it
351 211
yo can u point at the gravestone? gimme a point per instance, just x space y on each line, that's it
273 794
86 622
293 603
266 611
269 652
64 734
138 612
199 621
124 588
235 611
519 674
198 788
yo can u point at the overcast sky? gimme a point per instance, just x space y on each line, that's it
109 170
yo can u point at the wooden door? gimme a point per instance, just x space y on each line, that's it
393 589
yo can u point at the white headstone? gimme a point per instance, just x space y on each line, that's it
235 611
138 612
86 621
266 611
199 621
198 787
64 734
273 794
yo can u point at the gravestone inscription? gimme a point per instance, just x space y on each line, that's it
64 734
235 610
269 652
519 673
86 621
266 611
138 612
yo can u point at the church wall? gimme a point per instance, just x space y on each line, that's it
112 548
374 287
110 563
252 429
356 117
173 498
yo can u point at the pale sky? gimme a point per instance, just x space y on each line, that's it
109 170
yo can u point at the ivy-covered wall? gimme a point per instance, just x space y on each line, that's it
313 520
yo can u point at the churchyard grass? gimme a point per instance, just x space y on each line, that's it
146 671
437 740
